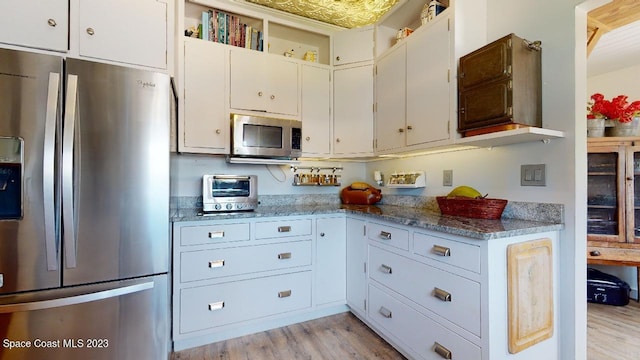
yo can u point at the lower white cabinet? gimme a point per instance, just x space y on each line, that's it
236 277
434 295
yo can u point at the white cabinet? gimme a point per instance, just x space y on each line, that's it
330 262
353 111
428 83
204 125
356 266
263 83
431 294
353 45
37 24
316 110
132 32
391 92
413 90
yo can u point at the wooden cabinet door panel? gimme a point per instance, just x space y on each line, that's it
485 106
316 111
247 80
133 32
282 87
353 116
391 72
487 64
38 24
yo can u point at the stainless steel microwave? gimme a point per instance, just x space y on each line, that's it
255 136
229 192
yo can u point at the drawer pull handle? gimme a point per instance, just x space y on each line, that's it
442 351
52 23
385 235
216 264
216 234
283 256
385 269
284 228
441 294
441 250
385 312
284 294
216 306
595 253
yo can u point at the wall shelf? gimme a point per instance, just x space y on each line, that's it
508 137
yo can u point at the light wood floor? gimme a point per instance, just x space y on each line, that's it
612 334
613 331
338 337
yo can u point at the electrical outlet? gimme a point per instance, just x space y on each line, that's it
447 178
533 175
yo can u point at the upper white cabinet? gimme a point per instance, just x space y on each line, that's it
263 83
316 110
132 32
391 92
413 90
37 24
204 125
353 111
354 45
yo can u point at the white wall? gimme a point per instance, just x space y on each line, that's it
187 171
626 82
497 171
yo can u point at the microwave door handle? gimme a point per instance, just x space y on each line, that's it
67 172
48 171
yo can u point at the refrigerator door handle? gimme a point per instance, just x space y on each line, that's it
73 300
68 216
48 171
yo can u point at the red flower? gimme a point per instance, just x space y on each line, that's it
617 109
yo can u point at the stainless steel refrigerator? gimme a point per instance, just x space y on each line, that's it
84 206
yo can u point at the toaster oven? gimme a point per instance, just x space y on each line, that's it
229 193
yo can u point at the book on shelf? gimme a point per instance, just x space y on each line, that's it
221 27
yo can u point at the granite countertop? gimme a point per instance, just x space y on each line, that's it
411 216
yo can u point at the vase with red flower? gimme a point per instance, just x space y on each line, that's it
626 115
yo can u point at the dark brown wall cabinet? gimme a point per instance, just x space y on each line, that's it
499 87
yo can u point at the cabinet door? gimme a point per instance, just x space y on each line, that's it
38 24
605 194
206 124
316 111
331 260
353 115
356 266
247 80
282 86
133 32
390 99
632 187
354 45
428 87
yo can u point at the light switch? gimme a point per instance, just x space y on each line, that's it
533 175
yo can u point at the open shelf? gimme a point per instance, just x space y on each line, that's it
508 137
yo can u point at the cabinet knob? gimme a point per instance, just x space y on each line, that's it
337 58
338 140
401 130
259 93
308 138
90 31
594 253
321 234
409 127
218 131
273 97
52 23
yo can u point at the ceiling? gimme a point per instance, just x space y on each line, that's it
344 13
613 32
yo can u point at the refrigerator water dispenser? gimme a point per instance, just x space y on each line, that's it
11 159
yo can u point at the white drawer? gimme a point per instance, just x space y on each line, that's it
209 264
423 284
214 234
388 235
283 228
450 252
420 333
216 305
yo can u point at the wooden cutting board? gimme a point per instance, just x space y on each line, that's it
529 293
